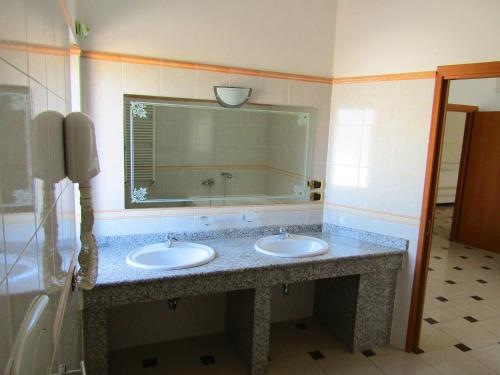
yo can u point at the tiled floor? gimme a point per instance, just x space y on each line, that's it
304 348
460 334
462 309
299 348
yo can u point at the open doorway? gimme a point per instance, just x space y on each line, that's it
456 294
458 122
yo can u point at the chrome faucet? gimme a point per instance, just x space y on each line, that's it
283 233
169 240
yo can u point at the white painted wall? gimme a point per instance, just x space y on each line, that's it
390 36
294 36
450 156
485 93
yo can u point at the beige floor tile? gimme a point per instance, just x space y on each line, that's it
299 364
491 325
477 309
287 341
443 312
343 362
489 290
451 292
470 334
452 361
452 327
432 339
179 357
397 362
493 302
488 356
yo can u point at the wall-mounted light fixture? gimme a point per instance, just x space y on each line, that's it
232 97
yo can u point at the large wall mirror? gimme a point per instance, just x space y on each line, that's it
181 152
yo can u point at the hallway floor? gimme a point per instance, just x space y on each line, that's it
462 308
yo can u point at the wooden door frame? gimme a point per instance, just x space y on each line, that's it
462 171
444 75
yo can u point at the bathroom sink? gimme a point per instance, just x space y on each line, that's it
292 246
161 257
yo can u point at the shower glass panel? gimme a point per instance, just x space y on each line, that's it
182 152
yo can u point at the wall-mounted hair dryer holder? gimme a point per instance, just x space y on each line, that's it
82 164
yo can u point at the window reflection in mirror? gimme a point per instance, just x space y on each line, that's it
182 152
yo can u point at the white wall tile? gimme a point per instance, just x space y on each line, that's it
315 214
37 67
13 21
103 100
410 147
385 192
295 217
141 79
347 145
274 91
253 82
177 83
205 82
379 103
320 145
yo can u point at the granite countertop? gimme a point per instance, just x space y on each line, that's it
233 255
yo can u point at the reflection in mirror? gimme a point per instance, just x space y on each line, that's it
17 188
181 152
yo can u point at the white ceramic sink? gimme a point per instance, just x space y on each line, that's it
293 246
161 257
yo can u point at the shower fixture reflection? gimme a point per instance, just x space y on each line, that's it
209 182
225 176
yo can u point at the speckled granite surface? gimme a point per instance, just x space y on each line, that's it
234 255
239 267
248 321
362 235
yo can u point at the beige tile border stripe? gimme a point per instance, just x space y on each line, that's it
34 48
118 57
386 77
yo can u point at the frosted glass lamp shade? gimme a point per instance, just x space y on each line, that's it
232 97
